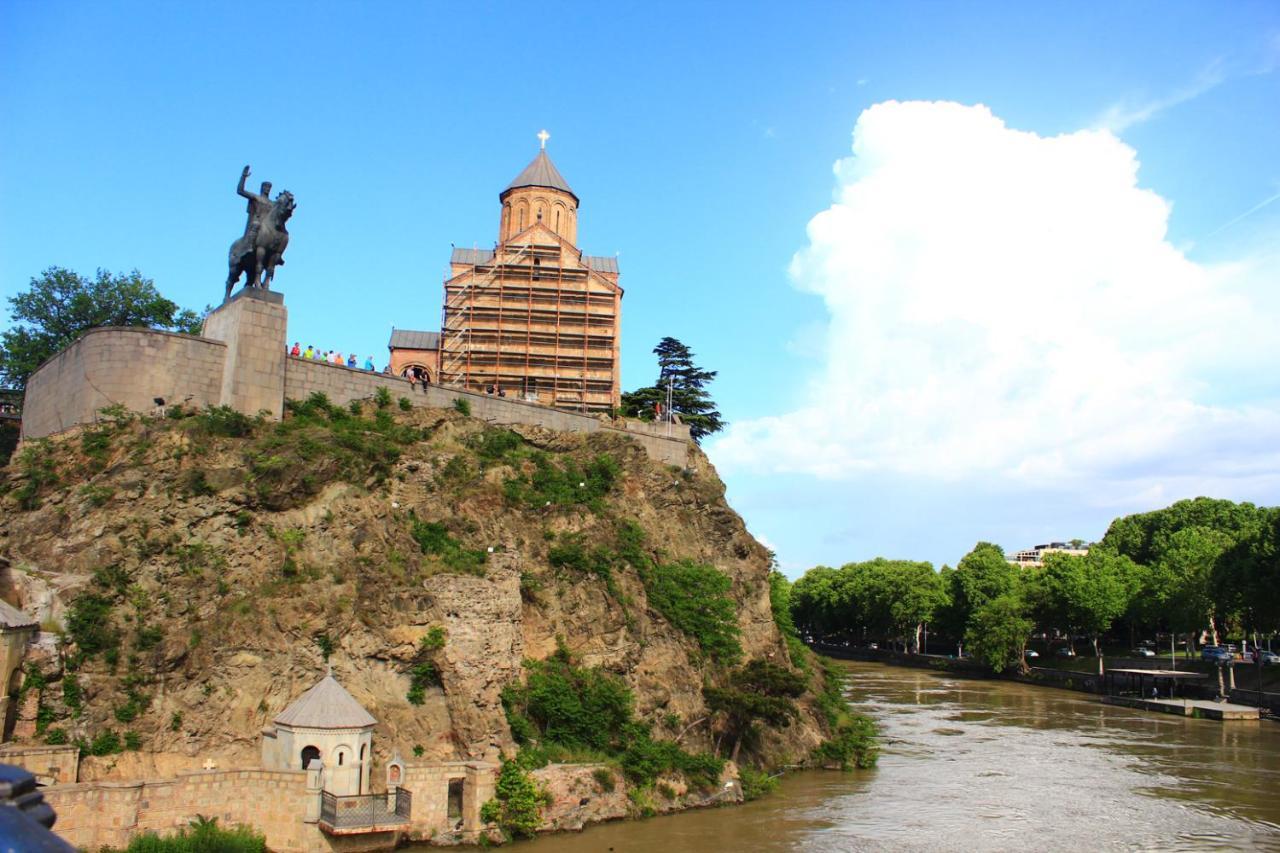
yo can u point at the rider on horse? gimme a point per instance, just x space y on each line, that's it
259 206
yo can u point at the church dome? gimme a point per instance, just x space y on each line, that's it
541 172
328 705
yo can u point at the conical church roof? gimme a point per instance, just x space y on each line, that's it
328 705
541 173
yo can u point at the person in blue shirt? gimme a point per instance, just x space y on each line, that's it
368 363
351 361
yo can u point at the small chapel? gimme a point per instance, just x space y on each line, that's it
534 318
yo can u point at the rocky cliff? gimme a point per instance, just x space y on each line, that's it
199 568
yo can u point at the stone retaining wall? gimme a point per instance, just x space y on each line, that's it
94 814
241 362
51 765
303 377
126 366
429 784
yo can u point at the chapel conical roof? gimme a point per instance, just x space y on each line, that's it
541 173
328 705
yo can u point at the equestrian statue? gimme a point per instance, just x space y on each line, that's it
257 254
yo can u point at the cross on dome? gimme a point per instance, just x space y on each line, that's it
543 136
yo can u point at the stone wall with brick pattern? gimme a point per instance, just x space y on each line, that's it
126 366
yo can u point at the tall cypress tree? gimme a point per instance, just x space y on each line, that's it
689 396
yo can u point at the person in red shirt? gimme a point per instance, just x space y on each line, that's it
296 351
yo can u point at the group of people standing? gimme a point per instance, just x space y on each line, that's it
330 357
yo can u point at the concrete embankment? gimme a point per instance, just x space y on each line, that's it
1065 679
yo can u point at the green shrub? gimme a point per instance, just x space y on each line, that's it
569 705
423 675
641 803
695 599
96 495
569 553
495 445
666 791
854 744
325 643
222 421
72 694
462 405
405 404
517 804
89 624
37 465
569 485
149 637
106 742
175 722
434 540
604 779
589 714
434 639
132 741
756 783
382 397
55 737
204 836
320 443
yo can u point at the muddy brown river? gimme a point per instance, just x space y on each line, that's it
984 765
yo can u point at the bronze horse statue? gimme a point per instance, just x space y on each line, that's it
257 254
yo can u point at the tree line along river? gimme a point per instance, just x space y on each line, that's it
993 765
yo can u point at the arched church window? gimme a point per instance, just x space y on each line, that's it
539 214
521 219
557 222
309 754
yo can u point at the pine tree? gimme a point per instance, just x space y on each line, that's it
689 396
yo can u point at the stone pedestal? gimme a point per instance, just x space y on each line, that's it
252 324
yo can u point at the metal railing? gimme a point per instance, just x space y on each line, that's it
371 812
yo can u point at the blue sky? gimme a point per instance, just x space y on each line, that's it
701 139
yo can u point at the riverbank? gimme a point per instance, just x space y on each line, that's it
1040 676
973 764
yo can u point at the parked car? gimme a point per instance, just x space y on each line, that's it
1032 653
1215 654
1065 652
1144 652
1268 657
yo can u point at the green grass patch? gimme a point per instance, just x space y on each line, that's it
435 541
203 836
319 443
591 713
563 485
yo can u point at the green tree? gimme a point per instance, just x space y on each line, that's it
998 631
1086 594
981 575
689 396
61 305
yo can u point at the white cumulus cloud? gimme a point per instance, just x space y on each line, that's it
1003 303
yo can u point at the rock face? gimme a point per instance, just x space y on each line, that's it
200 575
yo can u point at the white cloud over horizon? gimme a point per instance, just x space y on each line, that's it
1009 305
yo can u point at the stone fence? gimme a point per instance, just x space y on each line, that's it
241 362
121 366
94 814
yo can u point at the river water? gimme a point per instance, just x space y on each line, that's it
991 765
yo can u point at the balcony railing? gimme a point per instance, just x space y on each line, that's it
364 812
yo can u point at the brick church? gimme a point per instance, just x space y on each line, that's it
534 316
